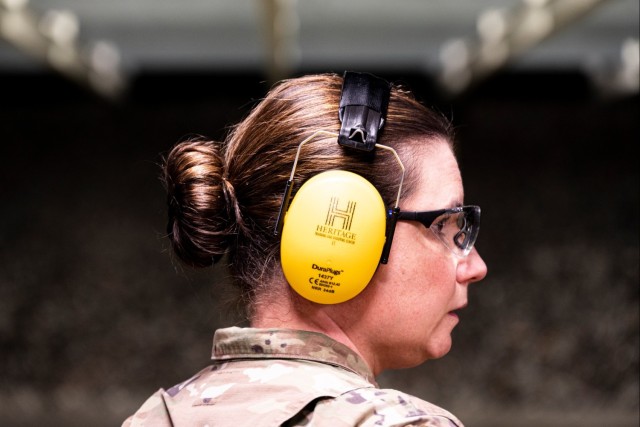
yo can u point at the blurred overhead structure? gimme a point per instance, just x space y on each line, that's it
53 38
282 24
460 41
504 34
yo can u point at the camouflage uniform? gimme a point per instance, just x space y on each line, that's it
279 377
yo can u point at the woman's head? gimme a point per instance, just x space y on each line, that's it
225 197
407 312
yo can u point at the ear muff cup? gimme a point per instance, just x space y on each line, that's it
332 238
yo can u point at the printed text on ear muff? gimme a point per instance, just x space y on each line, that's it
326 279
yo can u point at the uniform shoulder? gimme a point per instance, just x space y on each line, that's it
153 412
380 408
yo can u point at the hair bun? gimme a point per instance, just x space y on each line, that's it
199 224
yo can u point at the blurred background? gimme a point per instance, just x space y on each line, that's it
95 312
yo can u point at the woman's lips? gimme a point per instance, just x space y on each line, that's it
454 313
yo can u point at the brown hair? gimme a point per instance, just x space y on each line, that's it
224 197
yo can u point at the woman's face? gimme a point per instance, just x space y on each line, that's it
409 309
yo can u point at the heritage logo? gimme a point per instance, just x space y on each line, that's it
337 217
337 224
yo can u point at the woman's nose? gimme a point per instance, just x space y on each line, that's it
472 268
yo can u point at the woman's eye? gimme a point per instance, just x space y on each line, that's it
441 223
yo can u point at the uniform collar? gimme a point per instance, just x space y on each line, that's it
253 343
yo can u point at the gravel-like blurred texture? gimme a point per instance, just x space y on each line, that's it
95 314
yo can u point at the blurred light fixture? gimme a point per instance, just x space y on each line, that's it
53 37
61 26
105 62
104 57
619 76
13 4
630 70
455 59
492 25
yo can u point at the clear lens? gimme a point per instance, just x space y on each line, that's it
458 230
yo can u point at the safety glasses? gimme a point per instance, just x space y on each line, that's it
457 227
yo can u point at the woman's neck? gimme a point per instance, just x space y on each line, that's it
300 314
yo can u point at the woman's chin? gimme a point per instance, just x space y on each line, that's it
440 348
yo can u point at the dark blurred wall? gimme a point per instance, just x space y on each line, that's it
95 314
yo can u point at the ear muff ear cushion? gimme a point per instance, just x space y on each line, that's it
332 237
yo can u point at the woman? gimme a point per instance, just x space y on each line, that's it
311 355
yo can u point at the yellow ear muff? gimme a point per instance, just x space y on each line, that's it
332 238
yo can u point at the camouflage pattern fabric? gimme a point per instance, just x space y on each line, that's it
279 377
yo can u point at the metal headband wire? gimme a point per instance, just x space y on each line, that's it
307 139
287 192
328 133
395 153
